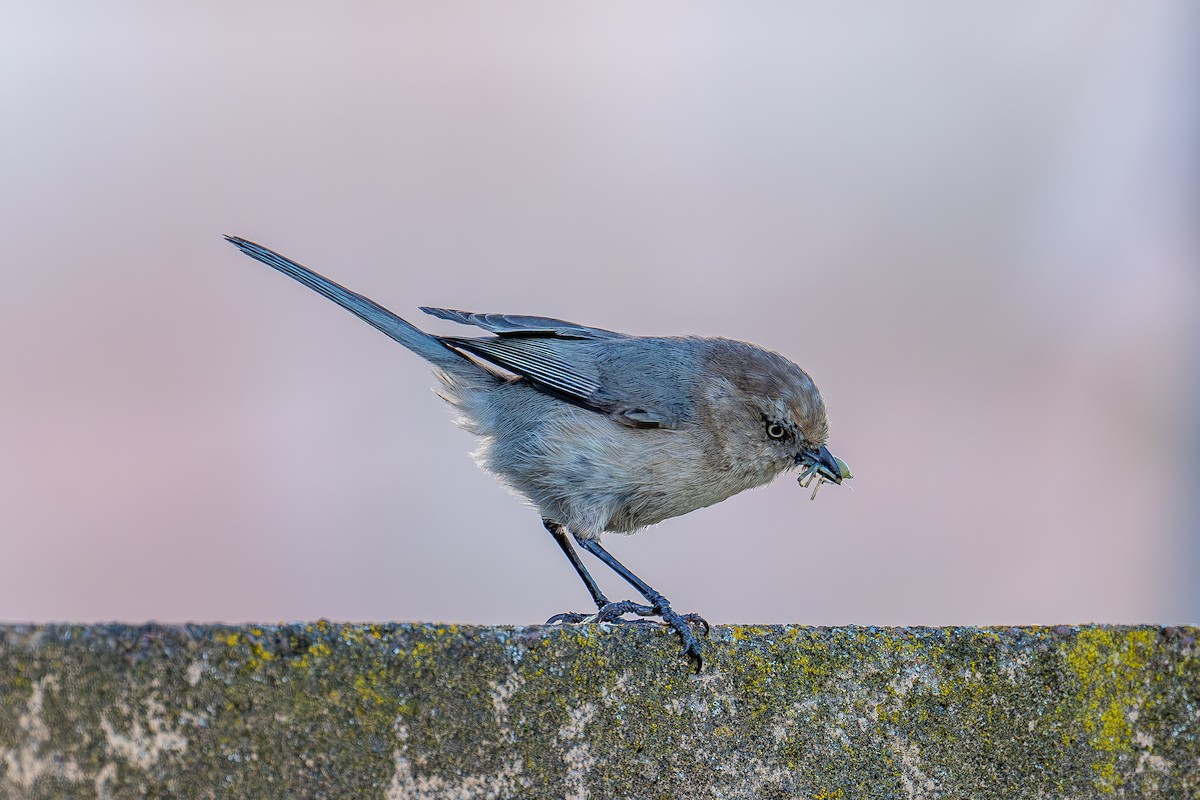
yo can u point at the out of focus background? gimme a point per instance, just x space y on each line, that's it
974 226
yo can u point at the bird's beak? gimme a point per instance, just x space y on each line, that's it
825 464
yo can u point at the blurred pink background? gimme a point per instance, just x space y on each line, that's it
975 227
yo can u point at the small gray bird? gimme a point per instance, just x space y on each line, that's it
603 431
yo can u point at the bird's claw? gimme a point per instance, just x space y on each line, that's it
696 619
610 612
613 612
679 624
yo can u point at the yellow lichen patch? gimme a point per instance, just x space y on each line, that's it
742 632
1110 665
824 794
259 654
772 668
367 687
923 648
255 653
351 634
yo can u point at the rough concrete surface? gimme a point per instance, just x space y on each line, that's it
329 710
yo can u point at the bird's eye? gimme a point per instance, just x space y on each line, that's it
775 430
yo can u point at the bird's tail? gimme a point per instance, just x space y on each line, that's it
456 367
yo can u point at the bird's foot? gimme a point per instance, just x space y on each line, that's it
612 612
680 624
696 619
609 612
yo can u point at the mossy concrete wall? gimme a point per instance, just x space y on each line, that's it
412 711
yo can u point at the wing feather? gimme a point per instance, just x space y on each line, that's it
566 360
539 360
518 325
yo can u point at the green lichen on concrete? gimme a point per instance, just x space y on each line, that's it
1112 685
416 711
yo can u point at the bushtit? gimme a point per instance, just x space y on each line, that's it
603 431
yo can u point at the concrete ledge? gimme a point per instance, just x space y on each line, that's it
416 711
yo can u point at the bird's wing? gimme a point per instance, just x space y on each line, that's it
574 370
540 359
518 325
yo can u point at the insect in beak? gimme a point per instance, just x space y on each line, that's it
821 466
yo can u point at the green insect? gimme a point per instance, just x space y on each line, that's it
821 474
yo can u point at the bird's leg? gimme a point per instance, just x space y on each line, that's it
661 606
607 612
559 532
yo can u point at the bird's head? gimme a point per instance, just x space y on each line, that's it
767 415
